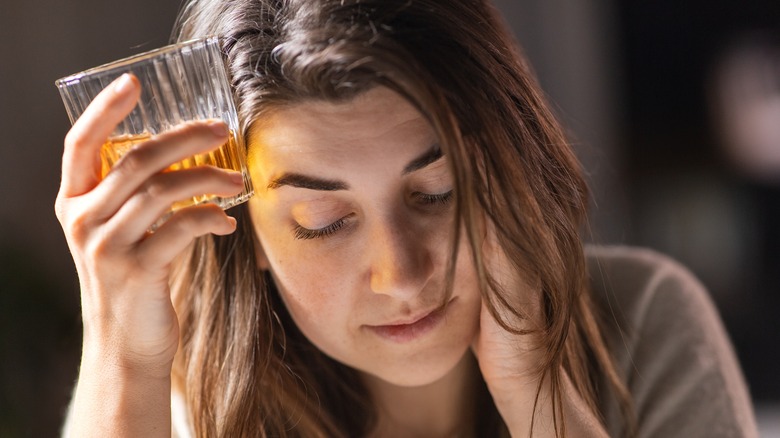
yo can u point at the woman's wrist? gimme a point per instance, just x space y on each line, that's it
516 400
115 400
118 349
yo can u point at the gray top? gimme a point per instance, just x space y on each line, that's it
668 341
671 346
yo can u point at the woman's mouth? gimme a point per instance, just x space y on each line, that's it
405 332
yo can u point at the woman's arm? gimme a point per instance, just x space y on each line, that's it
112 401
509 363
130 328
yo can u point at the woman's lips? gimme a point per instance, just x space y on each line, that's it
413 330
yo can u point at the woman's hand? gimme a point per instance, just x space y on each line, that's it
130 328
511 363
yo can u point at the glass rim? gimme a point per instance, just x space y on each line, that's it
132 59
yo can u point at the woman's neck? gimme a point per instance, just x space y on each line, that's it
443 408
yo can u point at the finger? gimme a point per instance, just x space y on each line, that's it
161 248
149 158
157 194
81 157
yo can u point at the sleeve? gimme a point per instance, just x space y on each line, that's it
683 373
180 424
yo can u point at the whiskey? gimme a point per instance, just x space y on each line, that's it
226 157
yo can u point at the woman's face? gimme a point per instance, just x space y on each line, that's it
354 216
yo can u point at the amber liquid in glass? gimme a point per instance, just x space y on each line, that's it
226 157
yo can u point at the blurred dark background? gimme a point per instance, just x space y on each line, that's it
674 107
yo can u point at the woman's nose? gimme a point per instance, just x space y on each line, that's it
401 262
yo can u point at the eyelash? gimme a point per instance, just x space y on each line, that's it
437 199
302 233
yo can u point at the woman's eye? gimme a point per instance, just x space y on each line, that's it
302 233
433 199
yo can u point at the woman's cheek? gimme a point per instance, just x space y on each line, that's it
312 286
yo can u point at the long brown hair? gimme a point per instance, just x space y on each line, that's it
244 367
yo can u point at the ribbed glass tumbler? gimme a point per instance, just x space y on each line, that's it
179 83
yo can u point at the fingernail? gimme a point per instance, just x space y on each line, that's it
219 128
123 84
232 221
237 178
228 227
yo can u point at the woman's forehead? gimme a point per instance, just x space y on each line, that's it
376 116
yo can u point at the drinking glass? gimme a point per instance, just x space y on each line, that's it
179 83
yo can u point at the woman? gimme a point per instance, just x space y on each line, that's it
409 266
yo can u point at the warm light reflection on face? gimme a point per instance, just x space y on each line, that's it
354 213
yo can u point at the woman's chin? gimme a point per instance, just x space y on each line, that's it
420 372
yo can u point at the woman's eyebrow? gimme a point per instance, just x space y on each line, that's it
431 155
314 183
307 182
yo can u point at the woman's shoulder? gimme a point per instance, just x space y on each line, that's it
638 280
650 302
670 344
632 277
641 292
